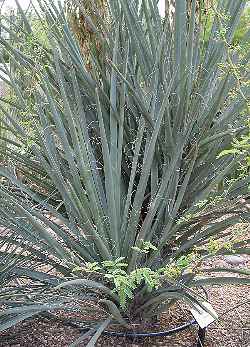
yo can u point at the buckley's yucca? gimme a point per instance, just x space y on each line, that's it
122 161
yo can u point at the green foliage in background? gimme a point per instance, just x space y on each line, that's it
242 28
244 25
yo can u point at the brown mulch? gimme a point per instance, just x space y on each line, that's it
232 330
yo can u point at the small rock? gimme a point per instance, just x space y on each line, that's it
235 259
220 263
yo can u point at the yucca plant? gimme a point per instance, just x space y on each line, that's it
119 207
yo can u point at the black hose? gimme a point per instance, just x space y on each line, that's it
127 334
135 335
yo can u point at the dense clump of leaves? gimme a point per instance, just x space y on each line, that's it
123 160
125 284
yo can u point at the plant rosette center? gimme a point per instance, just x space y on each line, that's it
133 287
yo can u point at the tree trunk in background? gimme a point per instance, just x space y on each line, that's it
170 6
79 13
